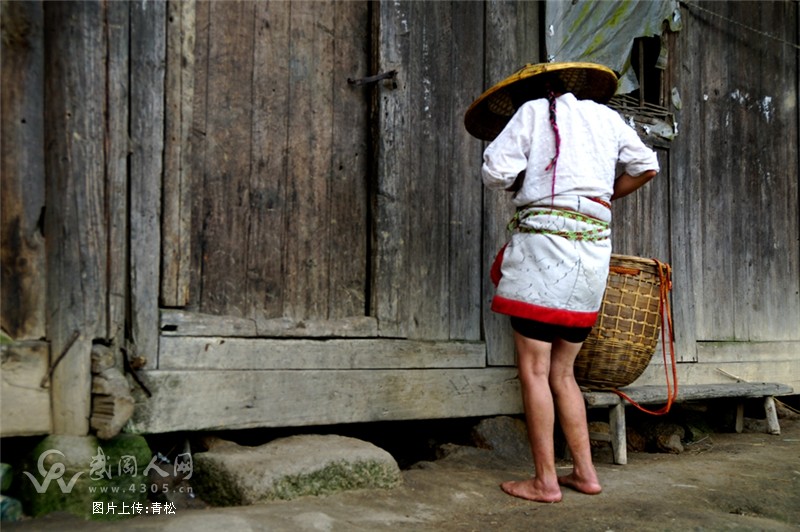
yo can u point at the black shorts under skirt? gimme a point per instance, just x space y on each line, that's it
546 332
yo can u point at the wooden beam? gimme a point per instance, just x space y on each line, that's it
75 225
179 97
658 394
768 369
201 400
148 51
391 223
118 142
244 353
185 323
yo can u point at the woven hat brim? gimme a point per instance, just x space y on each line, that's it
489 114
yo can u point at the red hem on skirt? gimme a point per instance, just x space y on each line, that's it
566 318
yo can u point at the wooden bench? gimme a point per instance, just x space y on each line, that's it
649 395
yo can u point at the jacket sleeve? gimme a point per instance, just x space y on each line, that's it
507 155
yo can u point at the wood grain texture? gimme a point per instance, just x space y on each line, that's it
198 400
147 75
118 148
260 354
185 323
76 226
391 223
22 189
26 405
279 161
657 394
741 183
426 232
177 183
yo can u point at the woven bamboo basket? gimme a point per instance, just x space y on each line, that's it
625 336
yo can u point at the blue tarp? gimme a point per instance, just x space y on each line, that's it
603 31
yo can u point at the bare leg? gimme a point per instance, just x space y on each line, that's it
572 415
534 370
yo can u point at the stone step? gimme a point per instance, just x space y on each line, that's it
229 474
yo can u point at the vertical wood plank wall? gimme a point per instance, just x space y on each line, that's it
735 168
275 158
427 208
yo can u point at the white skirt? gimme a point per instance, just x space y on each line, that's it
554 268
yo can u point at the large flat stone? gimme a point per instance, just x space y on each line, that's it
288 468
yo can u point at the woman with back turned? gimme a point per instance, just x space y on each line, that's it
556 147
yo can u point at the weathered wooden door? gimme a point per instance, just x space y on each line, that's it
266 184
301 204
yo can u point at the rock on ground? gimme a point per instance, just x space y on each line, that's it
287 468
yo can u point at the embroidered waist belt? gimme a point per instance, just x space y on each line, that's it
562 222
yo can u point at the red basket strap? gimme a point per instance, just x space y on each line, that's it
665 283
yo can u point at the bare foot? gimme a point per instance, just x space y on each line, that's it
532 490
588 486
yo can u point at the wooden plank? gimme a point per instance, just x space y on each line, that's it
753 352
647 210
785 371
184 323
391 217
22 189
179 105
350 163
148 55
118 141
26 404
240 353
428 85
75 84
767 300
282 232
683 191
225 172
199 400
699 392
198 150
463 154
504 55
428 287
270 144
308 187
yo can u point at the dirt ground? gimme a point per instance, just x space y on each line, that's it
723 481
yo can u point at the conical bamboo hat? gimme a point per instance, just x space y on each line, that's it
489 114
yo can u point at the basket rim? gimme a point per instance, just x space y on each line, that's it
632 258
